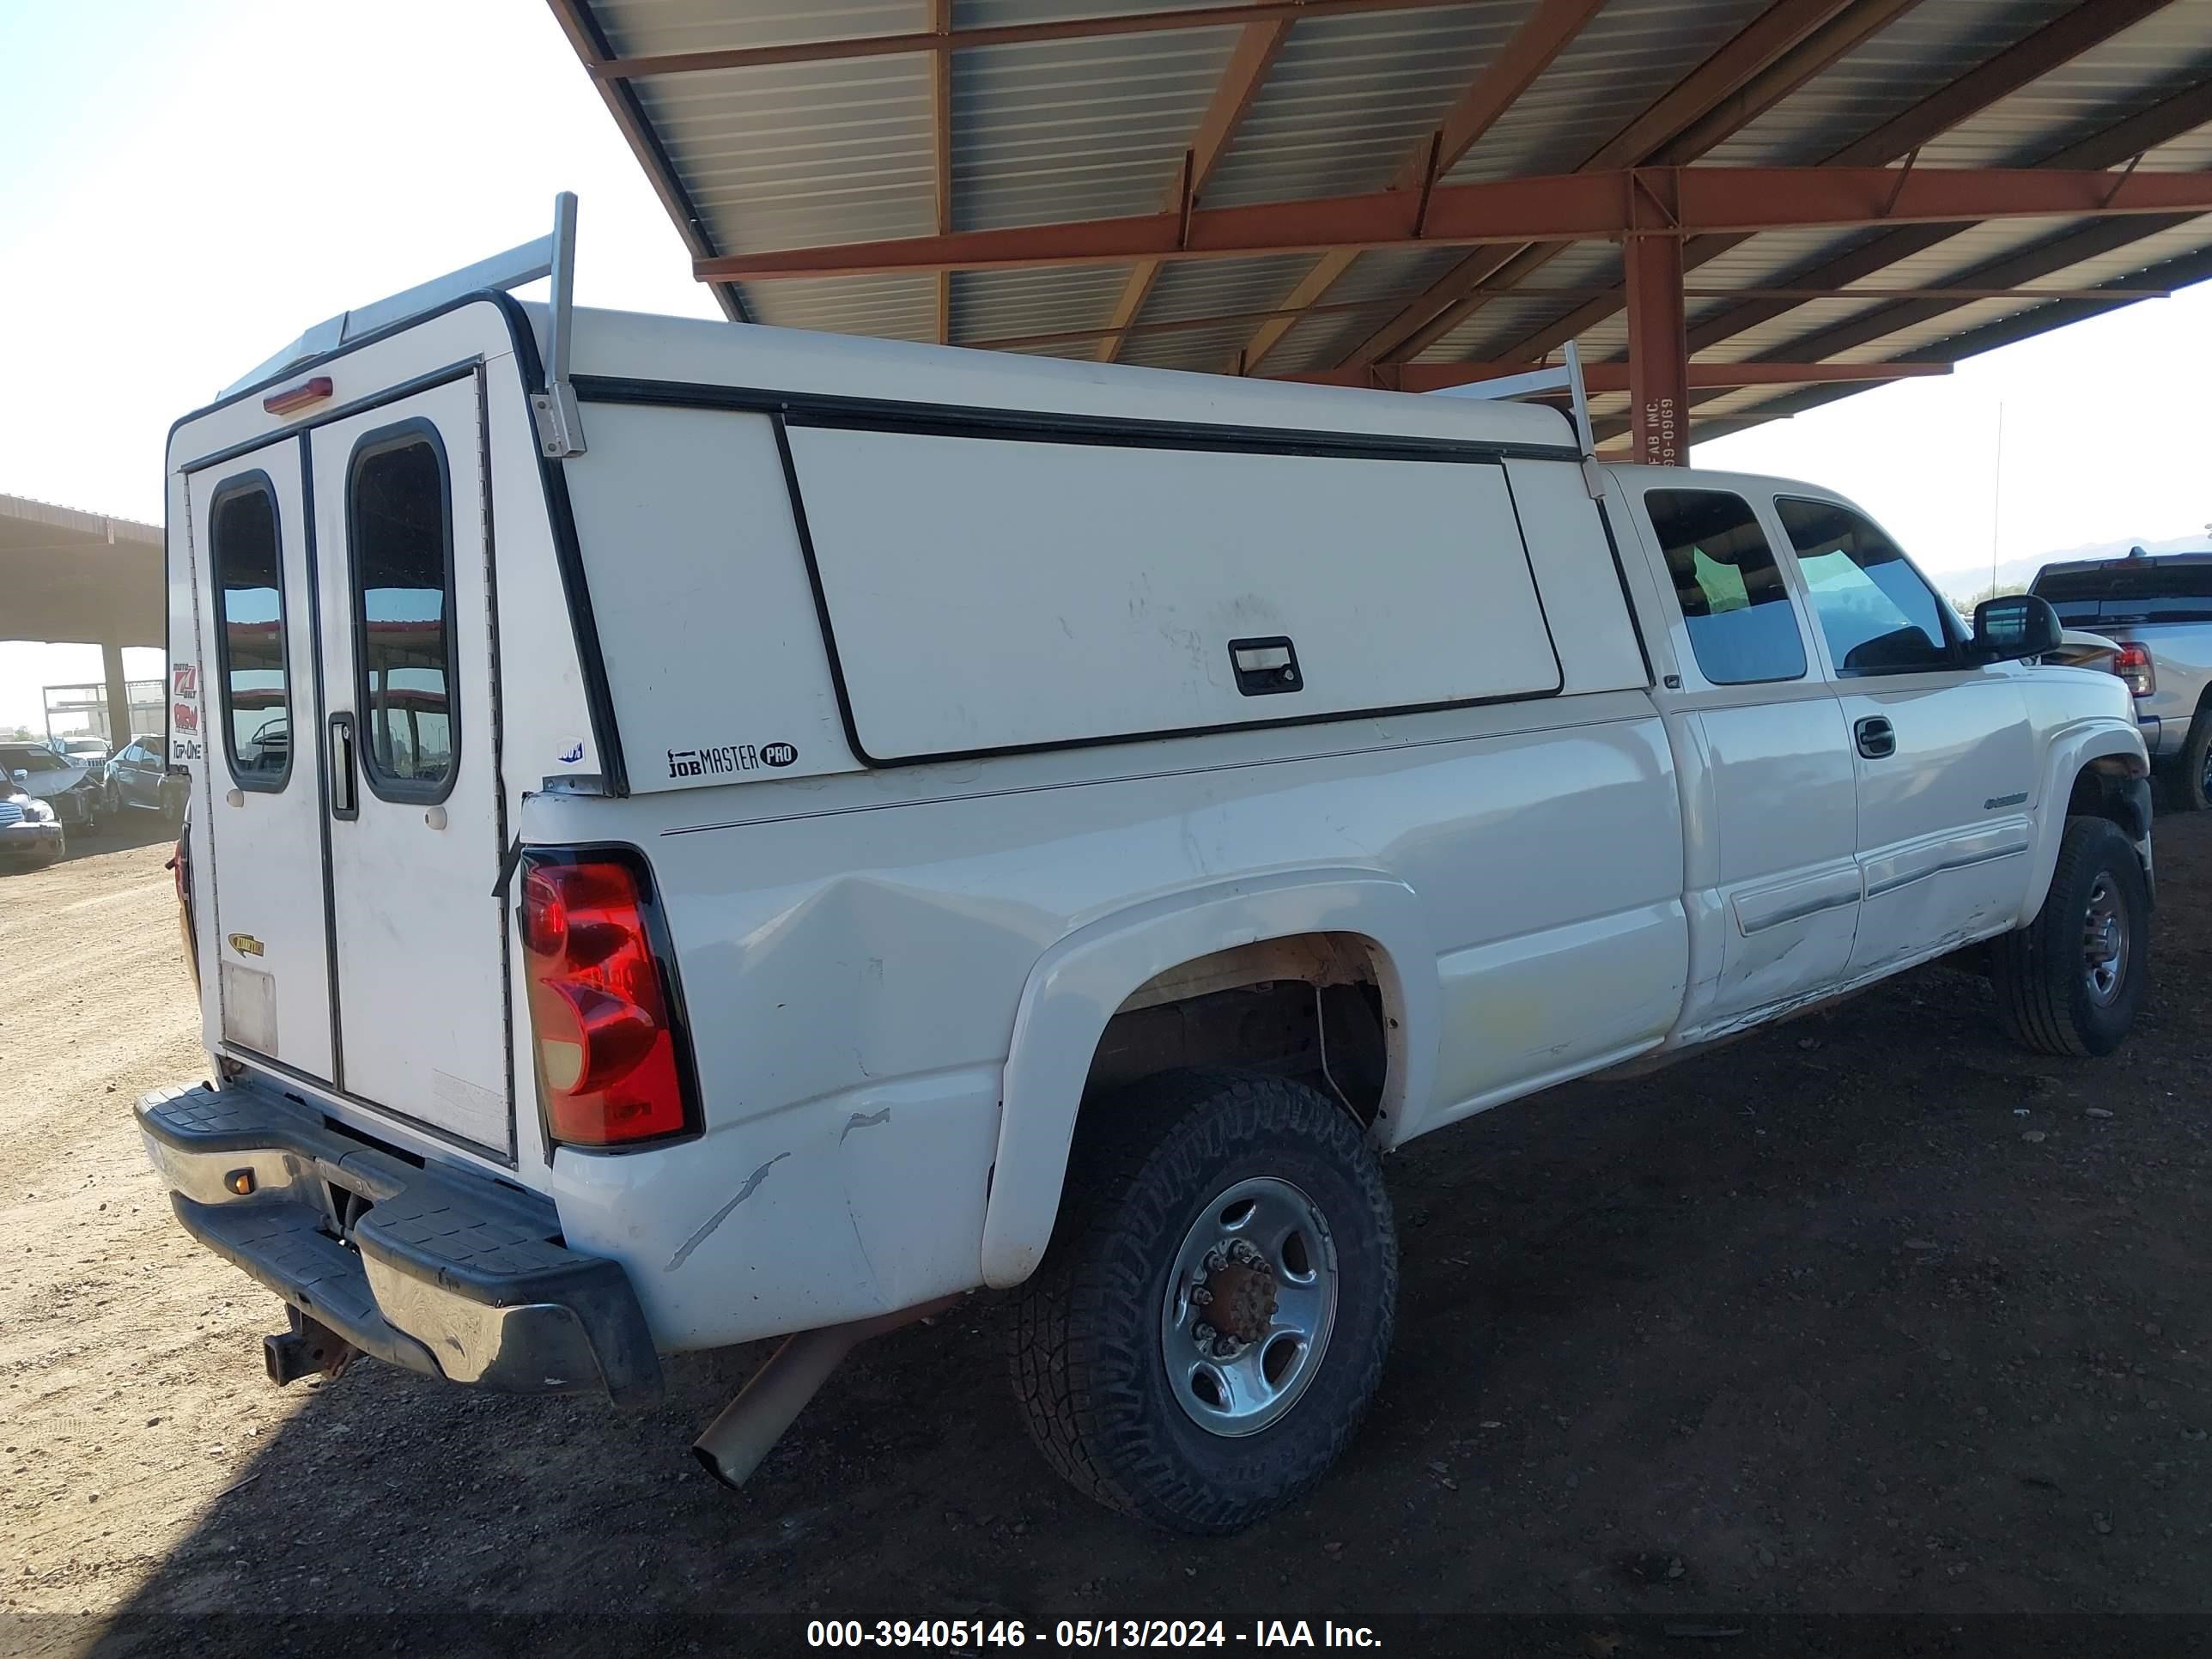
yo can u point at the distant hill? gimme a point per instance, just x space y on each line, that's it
1962 586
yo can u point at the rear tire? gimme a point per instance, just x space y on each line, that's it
2071 981
1120 1390
2187 788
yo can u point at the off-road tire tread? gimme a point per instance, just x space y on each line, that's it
1077 1307
2033 973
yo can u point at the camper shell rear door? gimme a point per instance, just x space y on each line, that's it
338 702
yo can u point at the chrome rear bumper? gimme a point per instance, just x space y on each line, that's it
440 1270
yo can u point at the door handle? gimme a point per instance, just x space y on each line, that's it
1877 738
344 802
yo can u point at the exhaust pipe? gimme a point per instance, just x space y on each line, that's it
738 1441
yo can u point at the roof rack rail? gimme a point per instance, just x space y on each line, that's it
559 430
1540 383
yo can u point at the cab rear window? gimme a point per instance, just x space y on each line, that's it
1741 625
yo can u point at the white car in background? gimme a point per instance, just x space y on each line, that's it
29 837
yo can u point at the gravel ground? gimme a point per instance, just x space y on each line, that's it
1870 1315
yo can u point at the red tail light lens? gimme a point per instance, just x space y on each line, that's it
2133 665
614 1062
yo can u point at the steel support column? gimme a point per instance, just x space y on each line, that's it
118 698
1658 350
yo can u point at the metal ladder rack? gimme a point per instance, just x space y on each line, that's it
1539 383
560 427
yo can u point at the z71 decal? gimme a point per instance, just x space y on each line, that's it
720 759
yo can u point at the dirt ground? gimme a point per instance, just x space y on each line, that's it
1868 1315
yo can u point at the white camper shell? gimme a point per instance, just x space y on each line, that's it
889 754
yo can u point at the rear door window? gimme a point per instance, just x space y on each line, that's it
1742 627
1876 612
400 516
2134 590
255 687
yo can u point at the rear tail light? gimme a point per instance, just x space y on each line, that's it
614 1061
2134 666
180 862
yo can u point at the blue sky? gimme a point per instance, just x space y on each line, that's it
188 185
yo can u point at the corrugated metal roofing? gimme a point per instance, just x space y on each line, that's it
818 153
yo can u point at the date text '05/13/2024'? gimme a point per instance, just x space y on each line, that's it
1087 1633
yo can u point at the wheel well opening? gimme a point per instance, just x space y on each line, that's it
2107 787
1312 1007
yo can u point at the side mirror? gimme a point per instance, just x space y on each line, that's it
2016 626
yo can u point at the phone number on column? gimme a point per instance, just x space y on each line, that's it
1013 1634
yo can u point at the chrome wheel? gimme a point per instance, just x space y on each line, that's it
2104 940
1250 1303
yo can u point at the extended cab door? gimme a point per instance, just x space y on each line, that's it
1771 803
1945 754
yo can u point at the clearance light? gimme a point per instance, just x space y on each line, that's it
298 397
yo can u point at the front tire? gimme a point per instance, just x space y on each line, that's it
2071 981
1195 1198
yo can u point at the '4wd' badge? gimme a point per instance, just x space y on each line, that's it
725 759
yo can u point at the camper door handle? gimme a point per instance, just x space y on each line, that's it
345 804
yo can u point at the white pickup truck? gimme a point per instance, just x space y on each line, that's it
795 830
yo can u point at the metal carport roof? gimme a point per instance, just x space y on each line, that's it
1327 188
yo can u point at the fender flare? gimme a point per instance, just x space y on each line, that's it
2074 747
1077 985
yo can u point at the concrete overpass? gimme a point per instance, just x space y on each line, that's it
80 577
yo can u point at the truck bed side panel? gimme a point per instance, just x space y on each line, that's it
854 951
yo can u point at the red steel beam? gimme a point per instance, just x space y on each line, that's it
1615 377
2171 275
1242 77
1842 33
2171 117
1572 207
941 133
996 34
1658 350
2027 60
1543 35
576 22
1783 26
2071 247
2094 296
